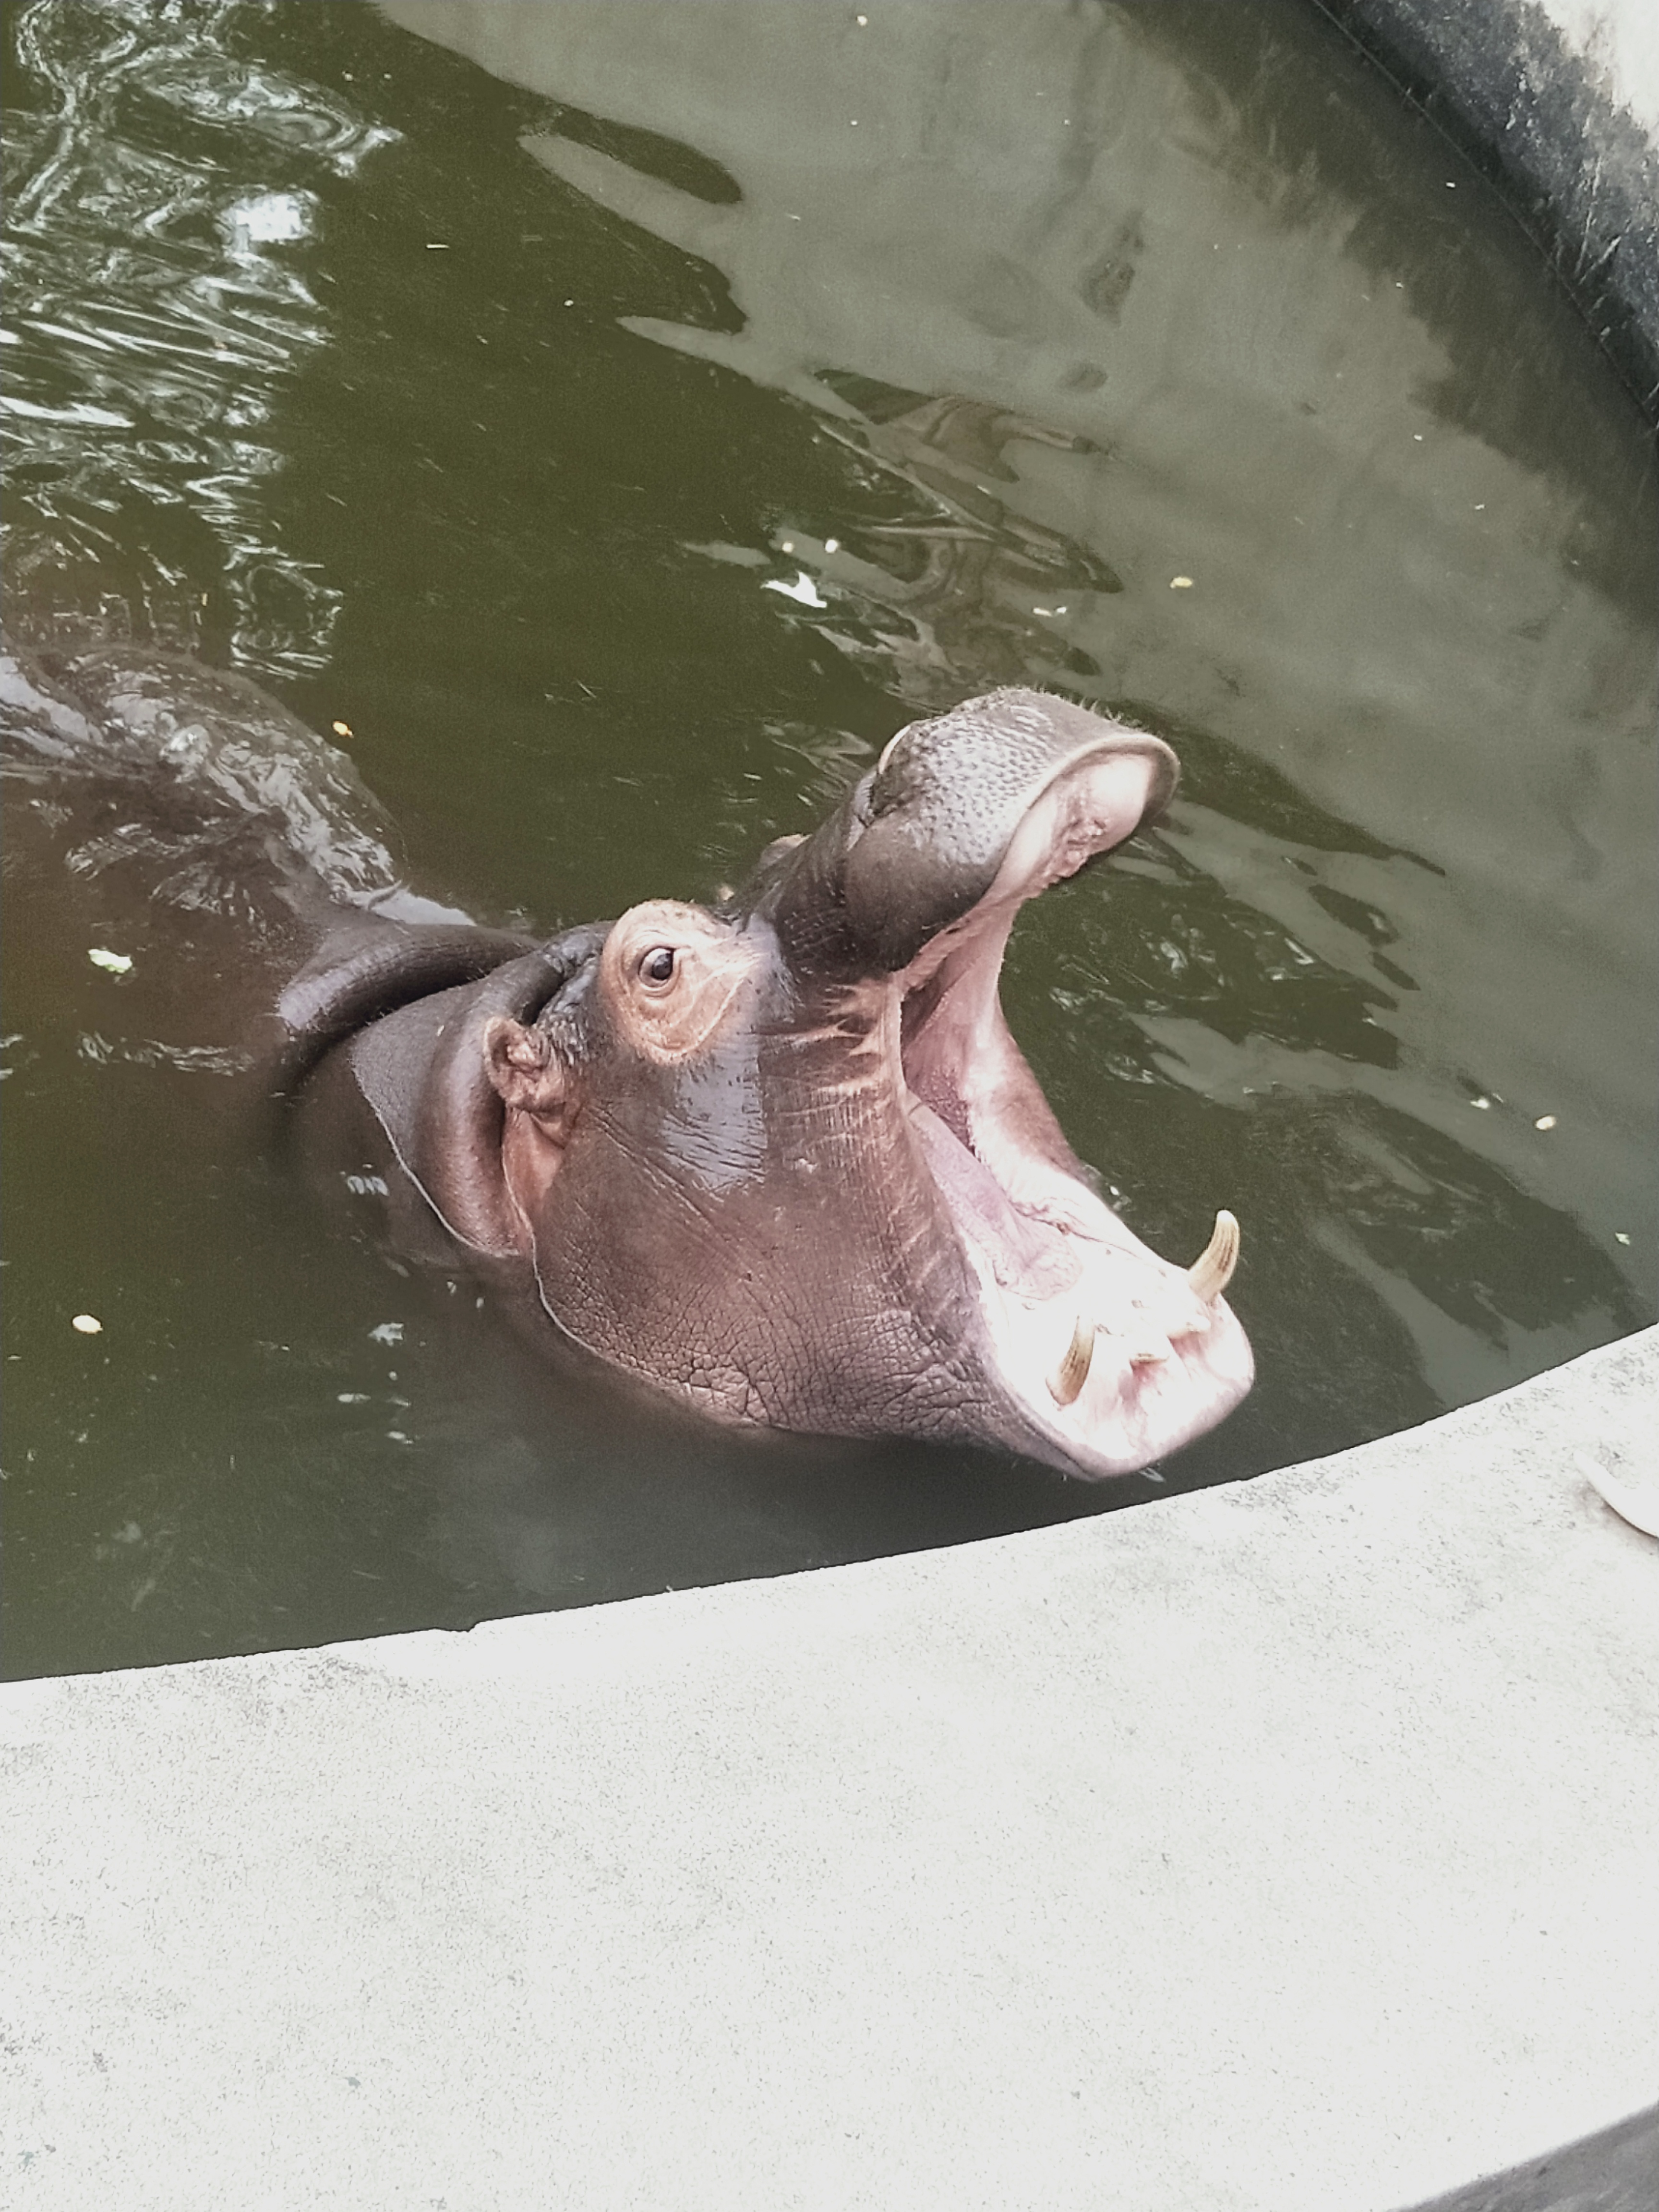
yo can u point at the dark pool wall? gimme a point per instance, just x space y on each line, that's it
1543 121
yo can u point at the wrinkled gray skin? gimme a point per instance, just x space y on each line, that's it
782 1159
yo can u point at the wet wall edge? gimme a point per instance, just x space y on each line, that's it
1611 2171
1559 108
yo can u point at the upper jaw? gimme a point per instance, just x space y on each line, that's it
947 815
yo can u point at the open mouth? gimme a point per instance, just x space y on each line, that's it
1114 1355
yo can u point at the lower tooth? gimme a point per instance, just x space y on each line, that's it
1068 1378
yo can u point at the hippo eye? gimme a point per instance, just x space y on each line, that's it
657 966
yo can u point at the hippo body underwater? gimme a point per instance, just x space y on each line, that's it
780 1158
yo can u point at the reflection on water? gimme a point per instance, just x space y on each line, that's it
619 418
161 188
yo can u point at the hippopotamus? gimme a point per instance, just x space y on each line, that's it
780 1156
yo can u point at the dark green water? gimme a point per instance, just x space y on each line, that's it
472 388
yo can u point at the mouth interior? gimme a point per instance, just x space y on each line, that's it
1109 1348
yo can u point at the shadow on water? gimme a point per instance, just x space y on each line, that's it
620 457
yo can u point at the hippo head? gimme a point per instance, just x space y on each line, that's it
784 1159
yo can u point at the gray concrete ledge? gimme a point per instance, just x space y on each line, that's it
1289 1846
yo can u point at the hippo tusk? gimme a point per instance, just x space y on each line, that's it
1212 1272
1072 1372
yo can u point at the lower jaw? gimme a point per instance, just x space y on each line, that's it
1092 1402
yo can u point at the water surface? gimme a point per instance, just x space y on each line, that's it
620 418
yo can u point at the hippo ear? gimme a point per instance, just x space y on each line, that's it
528 1075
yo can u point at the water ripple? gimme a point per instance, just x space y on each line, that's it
157 306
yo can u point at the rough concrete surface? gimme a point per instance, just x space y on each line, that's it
1289 1846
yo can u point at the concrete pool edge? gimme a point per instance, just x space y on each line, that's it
1279 1845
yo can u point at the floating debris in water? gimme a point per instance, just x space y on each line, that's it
115 964
1621 1237
1485 1104
1181 583
1545 1122
389 1332
341 729
352 1398
89 1324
